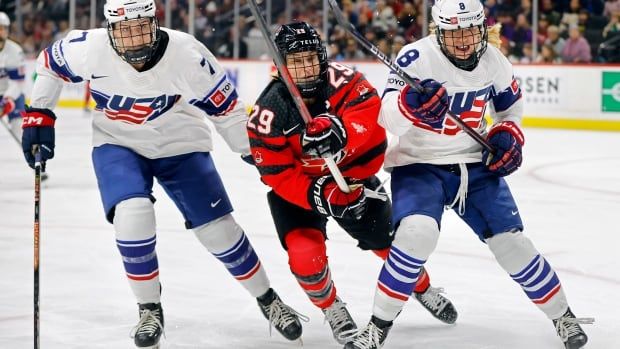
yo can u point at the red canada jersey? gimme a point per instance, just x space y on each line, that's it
275 126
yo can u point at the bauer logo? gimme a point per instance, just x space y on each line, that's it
611 92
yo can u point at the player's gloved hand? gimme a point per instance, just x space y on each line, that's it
429 105
324 136
507 139
7 105
327 199
38 125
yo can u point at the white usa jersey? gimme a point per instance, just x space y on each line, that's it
11 68
157 113
469 92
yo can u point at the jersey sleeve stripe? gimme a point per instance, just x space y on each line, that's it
506 98
221 99
55 61
16 74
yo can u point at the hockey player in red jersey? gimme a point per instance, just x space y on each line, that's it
290 159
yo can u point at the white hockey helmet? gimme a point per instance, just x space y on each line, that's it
117 11
452 15
5 21
122 10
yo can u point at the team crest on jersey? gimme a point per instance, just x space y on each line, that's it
133 110
514 86
469 106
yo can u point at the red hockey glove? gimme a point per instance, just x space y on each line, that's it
327 199
429 105
324 136
507 139
7 105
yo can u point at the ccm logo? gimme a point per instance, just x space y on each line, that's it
33 120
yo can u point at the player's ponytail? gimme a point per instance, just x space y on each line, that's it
494 37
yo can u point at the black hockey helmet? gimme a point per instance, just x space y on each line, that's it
302 37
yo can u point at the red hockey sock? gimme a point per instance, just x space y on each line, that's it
424 282
308 261
383 254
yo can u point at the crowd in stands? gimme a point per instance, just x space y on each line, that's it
568 31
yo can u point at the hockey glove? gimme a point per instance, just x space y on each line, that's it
507 139
7 105
38 125
327 199
323 137
429 105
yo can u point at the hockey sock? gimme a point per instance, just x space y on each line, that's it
396 282
415 240
424 280
308 262
383 253
225 239
134 222
527 267
423 283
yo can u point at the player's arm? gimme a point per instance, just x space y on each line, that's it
360 113
63 60
273 156
15 69
505 135
216 95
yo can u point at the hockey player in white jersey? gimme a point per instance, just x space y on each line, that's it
435 165
153 88
11 78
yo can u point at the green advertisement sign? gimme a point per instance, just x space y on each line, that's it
611 91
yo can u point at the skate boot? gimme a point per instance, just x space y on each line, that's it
280 315
438 305
567 327
339 319
371 337
149 329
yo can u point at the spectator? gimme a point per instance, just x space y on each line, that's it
576 49
614 24
611 6
548 55
554 39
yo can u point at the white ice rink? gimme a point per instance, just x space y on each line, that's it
568 191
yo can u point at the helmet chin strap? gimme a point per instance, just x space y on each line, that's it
138 56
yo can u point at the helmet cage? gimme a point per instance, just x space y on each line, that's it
301 37
480 41
123 33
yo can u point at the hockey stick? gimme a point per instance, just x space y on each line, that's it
288 81
38 165
401 74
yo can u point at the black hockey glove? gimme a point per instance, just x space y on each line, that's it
323 137
38 126
327 199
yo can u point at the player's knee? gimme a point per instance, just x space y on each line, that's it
512 250
134 219
306 251
220 234
417 235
